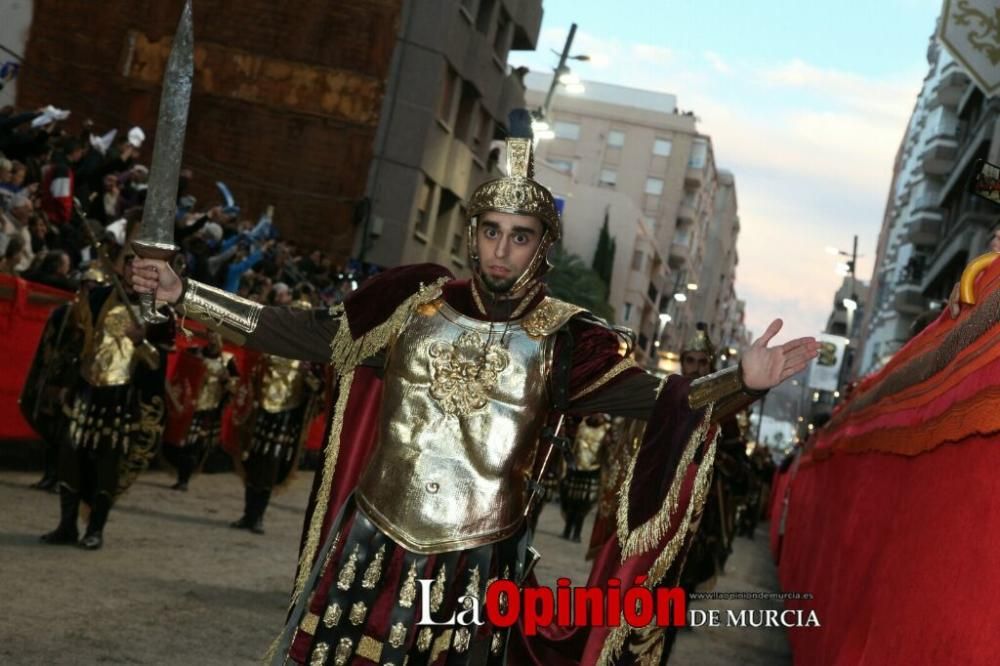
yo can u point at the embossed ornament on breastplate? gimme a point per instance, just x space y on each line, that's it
108 359
214 387
283 384
459 425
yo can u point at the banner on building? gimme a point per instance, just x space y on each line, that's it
824 370
970 29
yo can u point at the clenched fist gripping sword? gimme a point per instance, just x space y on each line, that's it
156 234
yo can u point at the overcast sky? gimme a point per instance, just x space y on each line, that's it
806 104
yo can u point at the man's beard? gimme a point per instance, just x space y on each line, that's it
498 286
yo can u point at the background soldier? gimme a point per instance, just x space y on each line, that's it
53 373
582 482
117 412
286 397
202 383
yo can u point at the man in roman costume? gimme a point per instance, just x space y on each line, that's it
444 388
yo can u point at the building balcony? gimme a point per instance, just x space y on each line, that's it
686 212
909 299
938 157
694 178
680 255
925 226
950 87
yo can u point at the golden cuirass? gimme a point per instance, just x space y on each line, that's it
214 387
283 384
108 355
587 446
459 425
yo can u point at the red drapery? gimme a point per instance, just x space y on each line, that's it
892 512
24 308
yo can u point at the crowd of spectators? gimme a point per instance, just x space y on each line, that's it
60 191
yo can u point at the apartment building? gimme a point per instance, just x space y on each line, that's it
932 225
449 93
632 156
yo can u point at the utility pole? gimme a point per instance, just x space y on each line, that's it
854 262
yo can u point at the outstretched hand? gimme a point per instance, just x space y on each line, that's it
765 367
152 276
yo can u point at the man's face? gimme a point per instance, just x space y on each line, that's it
995 241
506 243
695 364
18 175
64 265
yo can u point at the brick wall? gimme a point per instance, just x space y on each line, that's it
286 100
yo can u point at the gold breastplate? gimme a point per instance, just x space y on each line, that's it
587 447
460 420
283 384
109 354
214 387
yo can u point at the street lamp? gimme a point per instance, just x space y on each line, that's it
564 76
680 297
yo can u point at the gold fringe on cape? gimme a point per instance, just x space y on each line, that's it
703 478
647 535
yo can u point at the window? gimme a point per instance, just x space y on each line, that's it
468 117
661 147
424 199
699 154
446 103
608 178
683 236
447 204
616 138
501 43
482 133
628 312
565 130
564 166
654 186
637 260
485 16
652 292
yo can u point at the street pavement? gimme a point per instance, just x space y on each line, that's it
175 585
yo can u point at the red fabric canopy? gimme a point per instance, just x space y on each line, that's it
891 514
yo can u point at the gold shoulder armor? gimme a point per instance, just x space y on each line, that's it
549 316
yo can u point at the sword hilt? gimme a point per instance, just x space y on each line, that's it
152 250
147 309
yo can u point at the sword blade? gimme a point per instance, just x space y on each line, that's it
164 171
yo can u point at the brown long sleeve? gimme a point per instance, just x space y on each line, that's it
632 396
294 333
